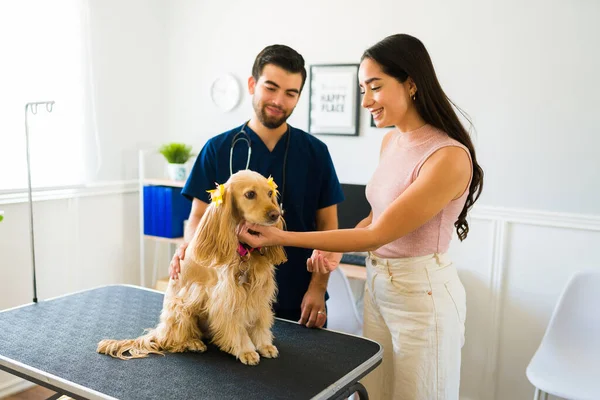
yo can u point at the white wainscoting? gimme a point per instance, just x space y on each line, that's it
514 265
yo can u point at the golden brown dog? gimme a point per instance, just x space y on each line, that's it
223 293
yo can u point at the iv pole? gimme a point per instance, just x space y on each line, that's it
33 107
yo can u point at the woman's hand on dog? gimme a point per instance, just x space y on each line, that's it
175 266
256 235
259 235
323 262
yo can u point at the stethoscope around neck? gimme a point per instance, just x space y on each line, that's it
242 135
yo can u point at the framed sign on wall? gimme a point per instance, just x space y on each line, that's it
334 98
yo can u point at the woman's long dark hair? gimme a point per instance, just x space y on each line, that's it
403 56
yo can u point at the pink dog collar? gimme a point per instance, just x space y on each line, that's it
244 251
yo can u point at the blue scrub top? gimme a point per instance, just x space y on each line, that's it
311 184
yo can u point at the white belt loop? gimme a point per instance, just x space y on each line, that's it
372 259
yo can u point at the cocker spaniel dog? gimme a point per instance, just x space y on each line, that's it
225 290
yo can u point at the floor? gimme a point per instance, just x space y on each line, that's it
35 393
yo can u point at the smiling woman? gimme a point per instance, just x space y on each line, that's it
426 181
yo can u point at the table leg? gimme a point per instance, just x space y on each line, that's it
355 388
362 392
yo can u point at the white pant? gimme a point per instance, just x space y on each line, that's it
415 308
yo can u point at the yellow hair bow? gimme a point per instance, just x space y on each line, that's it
272 183
216 195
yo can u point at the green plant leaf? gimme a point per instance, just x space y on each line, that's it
176 153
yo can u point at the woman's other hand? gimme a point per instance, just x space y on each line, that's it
323 262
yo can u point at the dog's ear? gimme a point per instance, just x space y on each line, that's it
217 240
276 254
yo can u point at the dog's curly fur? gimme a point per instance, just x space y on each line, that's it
208 301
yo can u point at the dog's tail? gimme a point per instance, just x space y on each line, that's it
131 348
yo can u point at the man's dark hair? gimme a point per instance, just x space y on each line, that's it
282 56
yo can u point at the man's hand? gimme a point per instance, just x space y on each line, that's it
323 262
313 307
174 266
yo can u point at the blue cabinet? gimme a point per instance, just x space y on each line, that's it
165 209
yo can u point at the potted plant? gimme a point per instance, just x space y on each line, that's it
177 155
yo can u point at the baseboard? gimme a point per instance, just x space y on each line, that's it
14 386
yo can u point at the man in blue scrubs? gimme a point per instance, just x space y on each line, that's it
298 162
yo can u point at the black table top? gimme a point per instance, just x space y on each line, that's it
54 343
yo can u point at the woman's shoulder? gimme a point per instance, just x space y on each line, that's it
438 139
447 151
442 146
442 136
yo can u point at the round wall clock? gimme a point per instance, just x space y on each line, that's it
225 92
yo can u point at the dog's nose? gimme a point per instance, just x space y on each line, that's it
273 215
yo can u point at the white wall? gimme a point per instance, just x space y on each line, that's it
129 44
83 242
525 72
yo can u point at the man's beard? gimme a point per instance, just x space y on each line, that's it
270 121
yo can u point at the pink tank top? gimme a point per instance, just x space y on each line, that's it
398 167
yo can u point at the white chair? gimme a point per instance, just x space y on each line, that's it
342 314
567 362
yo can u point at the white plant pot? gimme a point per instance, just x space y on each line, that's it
177 172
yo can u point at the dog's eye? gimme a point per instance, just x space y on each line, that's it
270 193
250 195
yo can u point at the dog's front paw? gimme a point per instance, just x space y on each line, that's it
250 358
268 351
197 345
